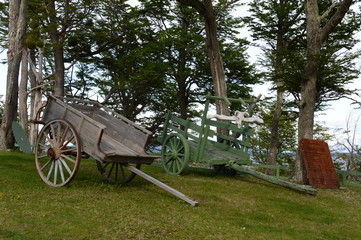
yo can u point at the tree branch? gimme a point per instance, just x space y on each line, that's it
335 19
328 11
196 4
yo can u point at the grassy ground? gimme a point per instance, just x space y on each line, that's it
230 207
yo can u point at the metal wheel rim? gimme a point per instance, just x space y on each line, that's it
116 172
57 153
175 154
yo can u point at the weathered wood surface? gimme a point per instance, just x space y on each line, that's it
301 188
105 135
162 185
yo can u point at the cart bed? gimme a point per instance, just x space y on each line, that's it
105 135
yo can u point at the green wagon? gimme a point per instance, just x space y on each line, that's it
223 145
183 141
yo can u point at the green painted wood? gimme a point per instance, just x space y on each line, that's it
204 147
21 138
345 174
301 188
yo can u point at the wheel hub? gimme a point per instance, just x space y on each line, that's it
174 154
53 153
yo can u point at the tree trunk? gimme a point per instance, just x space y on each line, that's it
274 144
316 35
36 82
57 41
206 10
17 30
308 85
23 108
59 71
281 48
215 58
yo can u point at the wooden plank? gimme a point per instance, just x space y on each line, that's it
301 188
122 131
162 185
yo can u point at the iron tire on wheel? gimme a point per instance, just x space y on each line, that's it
116 172
175 154
57 153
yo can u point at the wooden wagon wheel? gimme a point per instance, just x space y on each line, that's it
116 172
57 153
175 154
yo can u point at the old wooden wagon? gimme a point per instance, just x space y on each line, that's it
74 129
216 142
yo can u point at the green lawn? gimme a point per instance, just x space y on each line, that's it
229 207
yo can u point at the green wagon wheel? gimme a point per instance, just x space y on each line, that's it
175 154
57 153
116 172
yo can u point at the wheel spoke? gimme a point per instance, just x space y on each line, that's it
116 171
67 142
180 148
50 170
55 171
123 173
61 171
110 170
42 156
178 164
49 139
68 158
105 166
64 135
46 164
43 146
169 160
65 165
174 166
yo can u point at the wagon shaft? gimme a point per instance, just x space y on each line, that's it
162 185
301 188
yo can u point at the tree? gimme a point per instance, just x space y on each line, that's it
279 24
318 30
286 146
207 11
17 29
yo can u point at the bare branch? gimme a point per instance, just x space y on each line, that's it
328 11
335 19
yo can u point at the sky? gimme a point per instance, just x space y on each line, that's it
334 117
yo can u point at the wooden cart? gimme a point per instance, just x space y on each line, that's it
74 129
226 150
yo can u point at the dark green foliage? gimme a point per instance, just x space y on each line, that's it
337 67
287 139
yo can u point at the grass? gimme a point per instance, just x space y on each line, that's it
229 207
